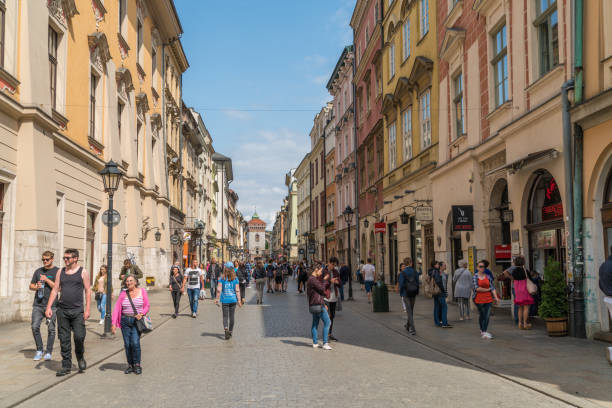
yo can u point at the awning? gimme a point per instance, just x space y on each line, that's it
530 158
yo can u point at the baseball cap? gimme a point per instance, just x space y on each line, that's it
229 265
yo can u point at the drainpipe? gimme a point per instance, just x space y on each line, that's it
356 169
579 306
569 194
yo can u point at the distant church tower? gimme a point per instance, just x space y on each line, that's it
256 237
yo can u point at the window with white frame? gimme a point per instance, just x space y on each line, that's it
392 146
391 60
95 105
406 39
500 65
459 111
154 67
424 17
425 102
139 43
140 146
53 42
123 18
407 133
547 23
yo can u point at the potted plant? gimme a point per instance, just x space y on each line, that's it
553 308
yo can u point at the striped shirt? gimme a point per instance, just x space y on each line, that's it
126 306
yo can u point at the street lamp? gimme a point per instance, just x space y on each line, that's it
200 225
348 217
111 176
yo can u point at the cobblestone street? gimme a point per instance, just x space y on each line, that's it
270 362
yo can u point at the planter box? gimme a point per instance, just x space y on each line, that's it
556 326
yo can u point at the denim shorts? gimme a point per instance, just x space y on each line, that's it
368 286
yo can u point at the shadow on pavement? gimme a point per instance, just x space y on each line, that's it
51 365
112 366
28 353
217 335
297 343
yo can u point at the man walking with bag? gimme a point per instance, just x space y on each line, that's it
409 289
71 316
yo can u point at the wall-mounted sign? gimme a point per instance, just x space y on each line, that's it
471 258
423 214
515 235
507 216
545 239
463 218
503 254
175 239
552 207
380 227
516 248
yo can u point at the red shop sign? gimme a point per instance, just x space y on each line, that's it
503 253
380 227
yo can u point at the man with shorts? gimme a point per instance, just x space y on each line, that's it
369 275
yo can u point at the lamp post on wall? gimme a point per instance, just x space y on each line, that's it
111 176
348 217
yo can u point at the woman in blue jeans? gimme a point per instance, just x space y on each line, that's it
315 290
100 291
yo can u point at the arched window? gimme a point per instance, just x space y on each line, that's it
256 237
545 203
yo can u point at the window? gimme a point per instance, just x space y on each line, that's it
426 119
392 146
407 133
90 245
316 171
93 83
53 41
458 102
391 60
378 81
368 91
256 237
500 65
548 34
122 18
406 38
139 146
424 10
154 67
139 43
119 118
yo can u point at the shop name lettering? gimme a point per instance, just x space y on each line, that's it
553 211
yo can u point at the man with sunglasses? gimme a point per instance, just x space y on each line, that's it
70 284
43 282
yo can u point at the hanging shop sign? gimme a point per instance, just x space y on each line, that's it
503 254
424 214
472 258
380 227
463 218
545 239
507 216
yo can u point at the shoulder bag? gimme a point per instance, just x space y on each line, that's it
532 288
144 325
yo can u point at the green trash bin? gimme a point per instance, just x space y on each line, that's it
380 297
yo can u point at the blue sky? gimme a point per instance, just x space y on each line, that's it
258 71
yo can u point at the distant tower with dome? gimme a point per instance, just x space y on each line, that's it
256 237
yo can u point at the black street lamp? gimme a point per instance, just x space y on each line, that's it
111 176
348 217
200 225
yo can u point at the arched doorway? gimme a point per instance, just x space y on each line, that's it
545 223
606 215
498 226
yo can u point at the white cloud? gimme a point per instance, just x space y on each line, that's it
237 114
321 79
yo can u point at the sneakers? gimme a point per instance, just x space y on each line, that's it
38 355
82 364
47 356
62 372
194 314
317 346
486 335
327 347
608 357
332 338
227 334
447 326
101 321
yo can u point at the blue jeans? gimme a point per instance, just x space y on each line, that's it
440 309
315 324
102 306
484 312
213 288
341 290
193 299
131 340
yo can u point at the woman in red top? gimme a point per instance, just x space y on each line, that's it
484 296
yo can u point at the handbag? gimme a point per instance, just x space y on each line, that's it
144 325
315 308
532 288
98 296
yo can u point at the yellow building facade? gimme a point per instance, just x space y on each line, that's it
410 99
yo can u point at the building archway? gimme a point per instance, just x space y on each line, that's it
499 237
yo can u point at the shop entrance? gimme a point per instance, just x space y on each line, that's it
546 228
500 238
606 218
393 257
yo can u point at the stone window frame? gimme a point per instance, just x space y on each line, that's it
61 57
458 97
391 61
392 137
406 39
407 134
425 118
423 18
543 17
97 100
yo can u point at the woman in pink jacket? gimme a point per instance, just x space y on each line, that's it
132 305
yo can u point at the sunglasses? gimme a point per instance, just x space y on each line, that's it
46 259
66 258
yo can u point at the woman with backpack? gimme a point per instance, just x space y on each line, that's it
484 296
463 289
409 289
228 293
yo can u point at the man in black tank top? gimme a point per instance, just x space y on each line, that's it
71 316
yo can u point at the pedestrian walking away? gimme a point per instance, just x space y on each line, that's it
194 279
270 273
177 288
99 290
332 292
315 290
71 282
132 305
287 272
129 269
302 277
369 274
359 273
278 278
440 307
409 289
522 297
484 296
605 285
242 275
229 295
43 282
259 274
462 278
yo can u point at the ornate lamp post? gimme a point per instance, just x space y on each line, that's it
200 225
111 176
348 217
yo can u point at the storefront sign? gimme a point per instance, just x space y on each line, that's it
380 227
471 258
552 208
503 254
516 248
507 215
424 214
463 218
546 239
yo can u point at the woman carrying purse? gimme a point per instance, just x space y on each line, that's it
132 306
522 287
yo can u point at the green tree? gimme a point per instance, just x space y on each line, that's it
554 300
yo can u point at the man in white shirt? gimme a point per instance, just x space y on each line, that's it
369 274
194 280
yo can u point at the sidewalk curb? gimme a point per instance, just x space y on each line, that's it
47 385
473 364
